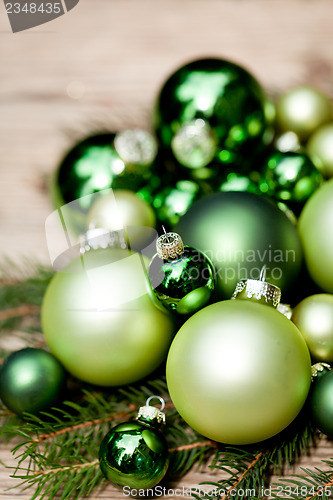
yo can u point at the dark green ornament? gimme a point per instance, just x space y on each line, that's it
135 453
182 278
234 181
31 380
222 100
321 403
290 177
105 161
172 201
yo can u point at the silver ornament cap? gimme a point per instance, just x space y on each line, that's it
151 414
169 246
136 147
259 289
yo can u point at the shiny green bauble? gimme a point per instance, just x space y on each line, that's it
302 110
320 149
316 232
238 372
240 232
314 318
31 380
172 201
185 284
321 403
234 181
290 178
134 454
219 94
123 209
99 321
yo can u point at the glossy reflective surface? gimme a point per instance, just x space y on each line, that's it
222 94
182 285
134 454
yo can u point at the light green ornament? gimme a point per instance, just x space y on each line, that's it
320 149
100 322
316 232
238 371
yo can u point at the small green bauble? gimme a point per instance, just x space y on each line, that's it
320 149
172 201
238 372
234 181
135 454
182 278
290 178
31 380
99 321
302 110
313 316
211 108
316 232
321 403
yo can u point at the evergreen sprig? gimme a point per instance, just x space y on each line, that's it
57 452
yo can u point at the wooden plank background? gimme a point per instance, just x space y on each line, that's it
115 54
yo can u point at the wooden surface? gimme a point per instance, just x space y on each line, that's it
115 54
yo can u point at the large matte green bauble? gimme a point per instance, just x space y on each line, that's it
321 403
320 149
134 454
316 232
223 95
238 372
314 318
302 110
100 322
290 178
31 380
240 232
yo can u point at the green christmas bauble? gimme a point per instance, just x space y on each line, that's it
234 181
321 403
238 372
172 201
314 318
302 110
99 321
182 278
102 161
134 454
316 232
240 232
320 149
290 178
31 380
210 108
123 209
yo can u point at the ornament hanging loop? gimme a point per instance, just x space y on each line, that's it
262 276
161 400
150 414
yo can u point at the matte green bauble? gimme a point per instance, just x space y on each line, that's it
321 403
302 110
240 232
31 380
100 322
124 209
182 278
207 104
316 232
238 372
314 318
290 178
320 149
